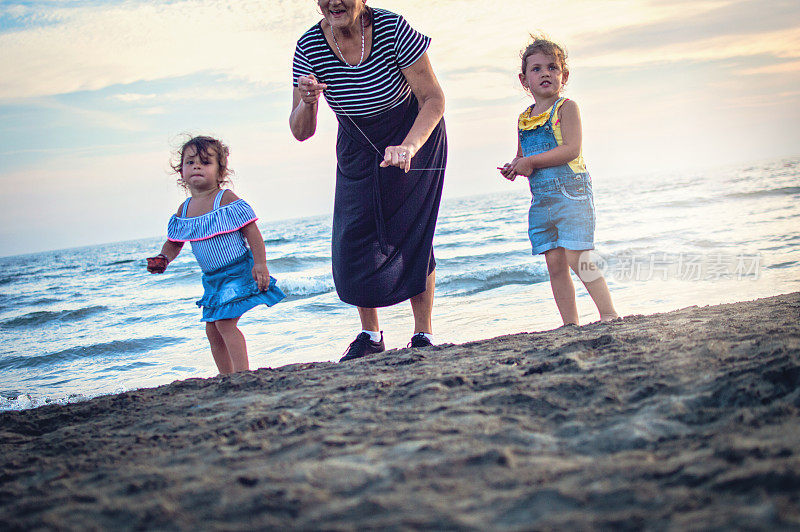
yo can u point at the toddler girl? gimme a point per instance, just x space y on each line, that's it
561 218
227 245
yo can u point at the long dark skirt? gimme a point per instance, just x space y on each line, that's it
383 218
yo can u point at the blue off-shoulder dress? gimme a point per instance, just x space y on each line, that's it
220 248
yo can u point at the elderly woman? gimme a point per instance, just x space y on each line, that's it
391 148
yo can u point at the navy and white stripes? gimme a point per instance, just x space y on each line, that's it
214 253
375 86
215 237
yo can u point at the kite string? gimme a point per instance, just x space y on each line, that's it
341 110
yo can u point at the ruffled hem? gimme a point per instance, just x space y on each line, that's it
233 292
239 307
230 291
226 219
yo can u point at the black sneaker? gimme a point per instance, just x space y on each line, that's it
419 340
363 345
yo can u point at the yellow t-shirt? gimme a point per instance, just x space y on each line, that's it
528 121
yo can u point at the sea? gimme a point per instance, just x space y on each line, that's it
83 322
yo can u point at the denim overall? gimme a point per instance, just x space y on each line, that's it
562 208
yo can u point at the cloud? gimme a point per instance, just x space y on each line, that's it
66 47
776 44
740 20
790 67
194 94
132 98
96 46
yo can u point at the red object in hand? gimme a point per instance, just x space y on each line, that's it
157 264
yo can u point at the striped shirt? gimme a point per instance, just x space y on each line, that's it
215 236
376 85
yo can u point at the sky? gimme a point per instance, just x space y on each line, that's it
95 95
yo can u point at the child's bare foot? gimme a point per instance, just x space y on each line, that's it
609 317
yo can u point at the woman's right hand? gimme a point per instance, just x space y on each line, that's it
303 118
310 89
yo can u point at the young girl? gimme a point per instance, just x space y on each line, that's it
227 245
561 217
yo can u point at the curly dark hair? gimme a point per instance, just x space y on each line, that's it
204 146
542 44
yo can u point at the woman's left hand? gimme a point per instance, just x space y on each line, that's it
261 276
399 156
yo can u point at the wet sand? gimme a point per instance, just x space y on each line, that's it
687 419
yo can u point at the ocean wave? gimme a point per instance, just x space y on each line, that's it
445 230
470 241
45 301
276 241
27 401
128 367
318 307
6 301
469 262
782 265
482 280
782 191
297 262
475 226
695 202
44 317
705 243
179 276
117 348
302 287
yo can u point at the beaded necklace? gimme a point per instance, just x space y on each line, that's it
341 109
333 34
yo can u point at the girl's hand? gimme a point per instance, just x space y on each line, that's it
399 156
261 276
506 169
157 264
519 166
310 89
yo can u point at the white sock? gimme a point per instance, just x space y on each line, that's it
375 336
429 336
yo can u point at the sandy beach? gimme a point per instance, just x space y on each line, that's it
687 419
